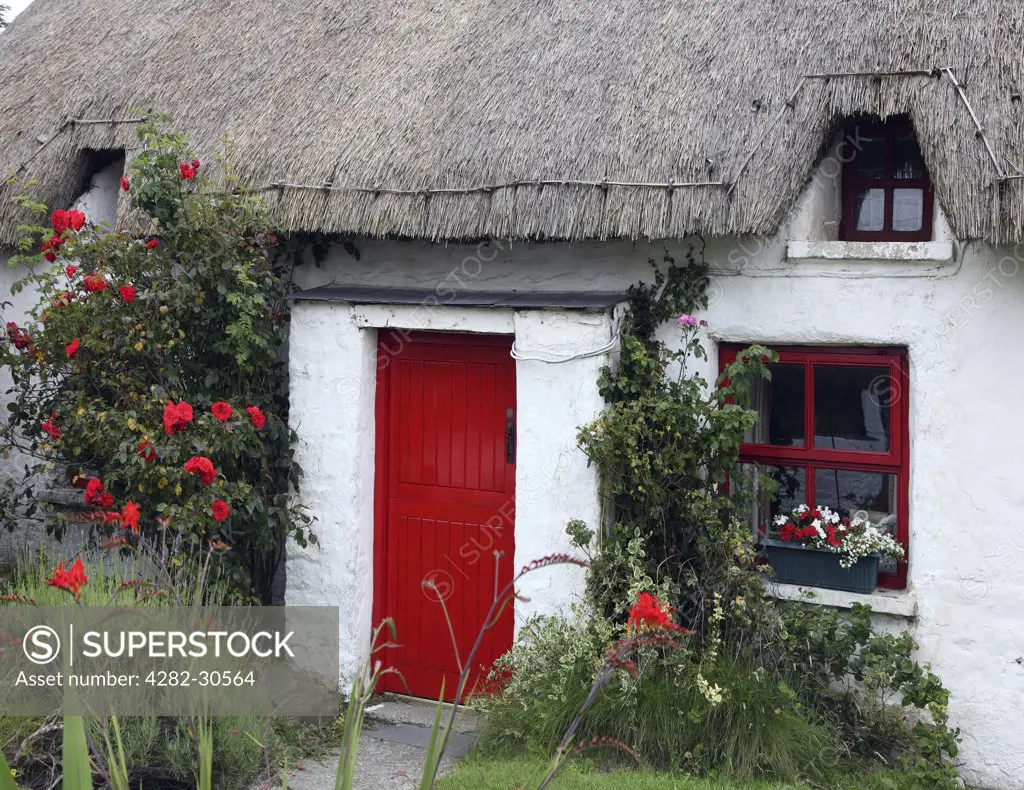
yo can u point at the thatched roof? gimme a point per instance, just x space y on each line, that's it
391 100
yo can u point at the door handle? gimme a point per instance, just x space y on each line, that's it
510 436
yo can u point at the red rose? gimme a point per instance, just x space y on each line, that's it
70 271
93 491
202 466
127 293
256 417
94 282
106 499
186 171
125 184
50 429
176 417
151 244
146 451
196 163
75 220
50 248
19 337
60 222
220 510
222 411
72 348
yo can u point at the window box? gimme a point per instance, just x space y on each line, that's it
796 564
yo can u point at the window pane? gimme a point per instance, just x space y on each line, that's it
780 489
872 495
780 403
871 157
907 209
870 209
907 159
852 407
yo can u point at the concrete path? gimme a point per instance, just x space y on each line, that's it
391 749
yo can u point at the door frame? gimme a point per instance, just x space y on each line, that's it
382 430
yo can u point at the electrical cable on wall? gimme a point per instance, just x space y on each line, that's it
618 313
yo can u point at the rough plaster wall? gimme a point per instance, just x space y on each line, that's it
960 322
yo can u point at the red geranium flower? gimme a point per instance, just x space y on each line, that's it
220 510
125 184
147 451
94 282
70 271
72 580
127 293
256 417
202 466
151 244
222 411
176 417
72 348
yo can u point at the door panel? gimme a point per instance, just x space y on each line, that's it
445 501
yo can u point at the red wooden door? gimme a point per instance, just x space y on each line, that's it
445 503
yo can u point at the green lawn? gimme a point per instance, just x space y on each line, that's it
478 774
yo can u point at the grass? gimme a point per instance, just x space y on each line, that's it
482 774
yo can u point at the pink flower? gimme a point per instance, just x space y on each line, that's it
687 321
125 184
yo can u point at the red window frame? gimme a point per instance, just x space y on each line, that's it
895 462
853 181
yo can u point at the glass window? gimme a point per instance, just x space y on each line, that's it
780 402
852 407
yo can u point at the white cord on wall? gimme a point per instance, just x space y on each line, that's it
617 314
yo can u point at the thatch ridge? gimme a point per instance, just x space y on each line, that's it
558 120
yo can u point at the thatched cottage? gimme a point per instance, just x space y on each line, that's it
506 170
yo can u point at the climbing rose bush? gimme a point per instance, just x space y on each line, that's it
149 371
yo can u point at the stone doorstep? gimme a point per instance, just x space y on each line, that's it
397 709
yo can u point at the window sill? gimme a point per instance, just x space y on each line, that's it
899 603
871 251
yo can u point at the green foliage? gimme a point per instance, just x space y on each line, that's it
873 678
665 447
206 323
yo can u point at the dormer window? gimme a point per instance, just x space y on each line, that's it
887 194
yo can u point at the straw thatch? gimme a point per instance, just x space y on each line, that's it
478 96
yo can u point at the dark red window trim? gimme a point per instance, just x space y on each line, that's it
853 181
896 461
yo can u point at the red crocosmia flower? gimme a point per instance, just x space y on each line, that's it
187 171
176 417
220 510
70 271
256 417
127 293
222 411
72 348
649 614
146 451
72 580
95 282
202 466
151 244
130 516
50 429
126 184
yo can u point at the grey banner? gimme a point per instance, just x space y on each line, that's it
167 661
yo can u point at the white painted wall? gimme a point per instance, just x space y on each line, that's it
961 322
